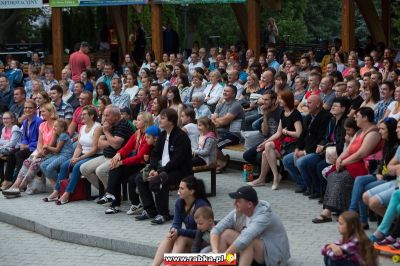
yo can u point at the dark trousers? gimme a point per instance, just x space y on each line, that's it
117 176
14 161
252 156
342 262
160 205
197 161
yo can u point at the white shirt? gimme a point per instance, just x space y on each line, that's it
192 68
193 134
165 155
214 92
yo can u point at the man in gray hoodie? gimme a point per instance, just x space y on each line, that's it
252 230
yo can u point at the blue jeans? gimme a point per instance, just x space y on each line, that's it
73 177
308 171
257 124
250 117
50 165
288 163
362 184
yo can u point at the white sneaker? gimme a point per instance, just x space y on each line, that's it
135 209
36 187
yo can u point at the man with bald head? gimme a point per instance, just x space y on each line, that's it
305 153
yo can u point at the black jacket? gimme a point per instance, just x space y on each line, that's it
313 131
339 134
180 153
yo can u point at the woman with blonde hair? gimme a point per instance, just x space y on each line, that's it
31 165
161 75
251 87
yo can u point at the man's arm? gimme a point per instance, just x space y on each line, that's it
225 120
113 141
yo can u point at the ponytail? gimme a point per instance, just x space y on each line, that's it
198 186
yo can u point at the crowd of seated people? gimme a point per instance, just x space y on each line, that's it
331 124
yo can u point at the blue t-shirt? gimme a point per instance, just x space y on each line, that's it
67 149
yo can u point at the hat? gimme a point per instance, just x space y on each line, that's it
153 131
247 193
84 44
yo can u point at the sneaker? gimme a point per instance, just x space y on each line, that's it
113 210
135 209
396 245
106 199
159 219
389 240
11 191
143 216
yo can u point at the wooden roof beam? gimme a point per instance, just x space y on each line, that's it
368 11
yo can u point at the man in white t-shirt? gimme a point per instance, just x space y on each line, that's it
170 161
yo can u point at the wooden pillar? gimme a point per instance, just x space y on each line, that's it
253 25
156 31
241 17
57 38
117 17
368 11
386 19
348 37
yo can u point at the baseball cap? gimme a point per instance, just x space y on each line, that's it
245 192
153 131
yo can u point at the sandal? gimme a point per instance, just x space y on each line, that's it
220 170
59 202
322 219
48 199
252 184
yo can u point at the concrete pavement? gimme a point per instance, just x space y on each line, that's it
85 223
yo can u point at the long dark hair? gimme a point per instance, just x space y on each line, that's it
177 97
198 186
392 140
354 229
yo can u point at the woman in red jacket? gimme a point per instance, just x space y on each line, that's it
128 161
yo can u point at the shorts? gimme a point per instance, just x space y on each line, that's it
383 192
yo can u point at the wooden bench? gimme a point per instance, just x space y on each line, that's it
213 172
200 169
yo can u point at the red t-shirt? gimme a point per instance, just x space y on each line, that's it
78 62
77 118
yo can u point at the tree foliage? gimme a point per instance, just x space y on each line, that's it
299 21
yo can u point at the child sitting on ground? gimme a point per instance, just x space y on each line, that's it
204 218
354 247
57 155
